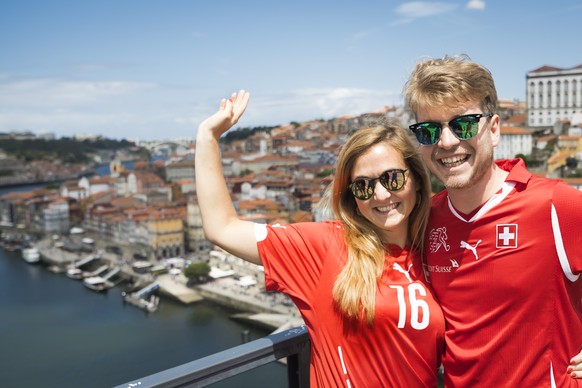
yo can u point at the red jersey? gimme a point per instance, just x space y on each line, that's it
401 349
508 280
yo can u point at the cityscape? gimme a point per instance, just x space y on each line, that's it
142 217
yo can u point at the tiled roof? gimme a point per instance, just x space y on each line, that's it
510 130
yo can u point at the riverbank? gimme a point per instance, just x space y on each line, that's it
70 336
269 310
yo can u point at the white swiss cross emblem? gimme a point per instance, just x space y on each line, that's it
506 235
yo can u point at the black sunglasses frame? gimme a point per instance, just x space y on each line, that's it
455 125
389 179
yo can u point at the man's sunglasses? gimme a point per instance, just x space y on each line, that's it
391 180
463 127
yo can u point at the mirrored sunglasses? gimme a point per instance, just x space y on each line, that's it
391 180
463 127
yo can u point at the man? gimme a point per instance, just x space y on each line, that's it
504 247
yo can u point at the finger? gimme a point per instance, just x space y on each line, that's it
222 103
242 100
575 367
228 105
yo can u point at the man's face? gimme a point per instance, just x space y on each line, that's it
460 164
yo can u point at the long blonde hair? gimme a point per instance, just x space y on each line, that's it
354 291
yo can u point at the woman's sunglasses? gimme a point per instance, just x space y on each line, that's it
463 127
391 180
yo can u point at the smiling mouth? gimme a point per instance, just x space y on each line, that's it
386 209
454 161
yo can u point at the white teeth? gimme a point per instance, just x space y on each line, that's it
452 160
387 208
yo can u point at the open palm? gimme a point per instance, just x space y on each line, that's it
228 114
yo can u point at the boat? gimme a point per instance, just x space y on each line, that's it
75 273
56 268
31 255
142 266
96 283
144 298
148 304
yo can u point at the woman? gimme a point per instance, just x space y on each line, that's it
357 281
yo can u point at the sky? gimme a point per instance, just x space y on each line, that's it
153 70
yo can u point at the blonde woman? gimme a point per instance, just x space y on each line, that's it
357 281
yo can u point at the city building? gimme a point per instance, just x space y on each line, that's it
177 171
514 141
553 94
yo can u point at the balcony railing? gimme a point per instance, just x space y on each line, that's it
294 344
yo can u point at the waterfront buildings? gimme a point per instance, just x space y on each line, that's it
274 174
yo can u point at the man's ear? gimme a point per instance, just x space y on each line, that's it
495 129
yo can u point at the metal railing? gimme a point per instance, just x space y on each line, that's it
293 344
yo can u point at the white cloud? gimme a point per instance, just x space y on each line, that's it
419 9
312 104
48 104
47 91
120 109
478 5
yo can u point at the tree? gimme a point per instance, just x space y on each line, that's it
197 272
436 185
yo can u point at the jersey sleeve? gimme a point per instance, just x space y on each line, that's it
567 214
293 256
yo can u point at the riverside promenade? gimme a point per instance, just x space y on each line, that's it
270 310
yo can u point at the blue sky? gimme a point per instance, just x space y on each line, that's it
154 69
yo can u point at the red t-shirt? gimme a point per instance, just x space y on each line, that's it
401 349
508 280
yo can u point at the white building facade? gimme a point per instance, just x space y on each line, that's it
553 94
514 140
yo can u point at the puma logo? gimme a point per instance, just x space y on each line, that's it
406 273
473 249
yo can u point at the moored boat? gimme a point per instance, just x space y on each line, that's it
96 283
31 255
75 273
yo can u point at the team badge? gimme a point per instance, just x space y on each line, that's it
506 235
438 238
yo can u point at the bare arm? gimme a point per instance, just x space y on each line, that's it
219 219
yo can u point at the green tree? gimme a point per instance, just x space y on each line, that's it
436 185
197 272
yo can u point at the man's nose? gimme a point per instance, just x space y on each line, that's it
447 139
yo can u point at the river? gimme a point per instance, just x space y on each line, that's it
54 332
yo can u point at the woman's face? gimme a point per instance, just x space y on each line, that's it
387 210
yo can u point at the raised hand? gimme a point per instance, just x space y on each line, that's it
228 114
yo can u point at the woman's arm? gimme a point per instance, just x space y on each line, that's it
219 219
